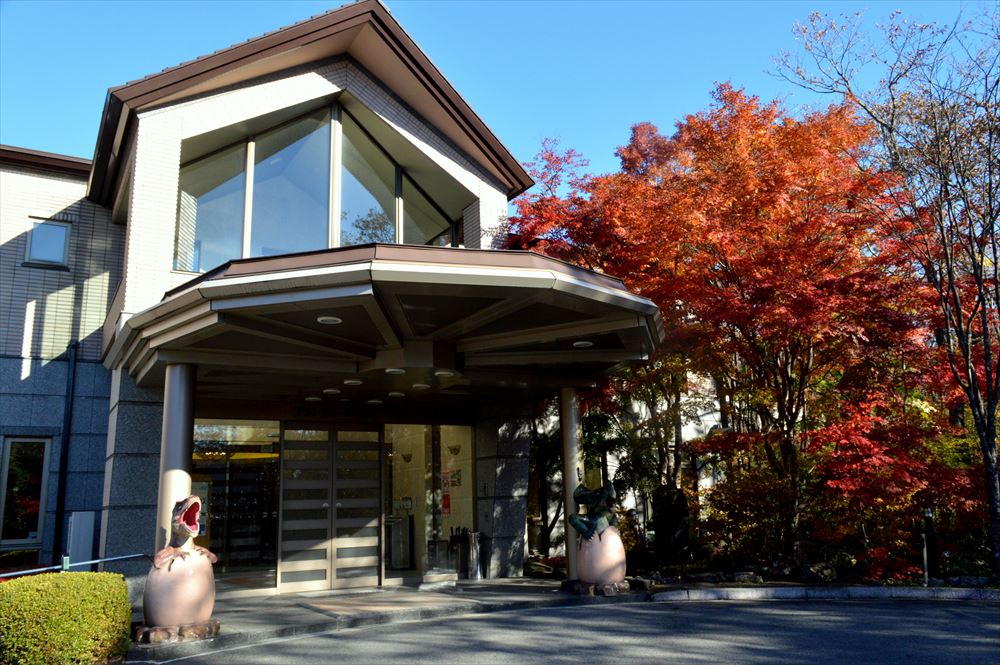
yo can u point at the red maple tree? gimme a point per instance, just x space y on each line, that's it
750 230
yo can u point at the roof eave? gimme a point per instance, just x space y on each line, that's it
48 161
122 101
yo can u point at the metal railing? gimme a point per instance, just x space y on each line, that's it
66 565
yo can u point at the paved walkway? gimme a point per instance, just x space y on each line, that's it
251 620
247 620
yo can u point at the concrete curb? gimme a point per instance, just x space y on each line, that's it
462 606
827 593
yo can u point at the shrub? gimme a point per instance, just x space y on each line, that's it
64 618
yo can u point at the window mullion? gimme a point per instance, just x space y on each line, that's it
399 204
336 162
248 197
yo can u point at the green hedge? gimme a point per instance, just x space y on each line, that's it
64 618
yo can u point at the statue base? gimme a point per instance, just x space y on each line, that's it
169 634
579 588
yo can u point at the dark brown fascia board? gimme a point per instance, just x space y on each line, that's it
50 161
122 101
509 258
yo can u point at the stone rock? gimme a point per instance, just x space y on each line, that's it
170 634
601 560
156 634
745 578
612 589
819 572
968 580
639 583
705 578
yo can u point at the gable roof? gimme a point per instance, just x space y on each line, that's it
366 31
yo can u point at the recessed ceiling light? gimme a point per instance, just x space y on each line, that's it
396 393
345 399
329 320
375 402
582 344
331 391
444 373
314 398
353 382
421 386
395 370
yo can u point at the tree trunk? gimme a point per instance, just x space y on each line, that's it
791 534
678 426
988 443
545 533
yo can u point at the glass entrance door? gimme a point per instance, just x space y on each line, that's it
331 511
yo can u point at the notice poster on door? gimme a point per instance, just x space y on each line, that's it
449 479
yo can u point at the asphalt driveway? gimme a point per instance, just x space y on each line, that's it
815 632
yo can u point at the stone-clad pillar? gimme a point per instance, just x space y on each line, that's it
128 518
176 445
569 418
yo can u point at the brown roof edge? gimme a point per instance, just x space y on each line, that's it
50 161
122 100
321 258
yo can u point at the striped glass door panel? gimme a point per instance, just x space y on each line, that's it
357 509
306 495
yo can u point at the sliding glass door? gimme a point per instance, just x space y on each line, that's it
331 511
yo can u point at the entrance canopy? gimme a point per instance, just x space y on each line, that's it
390 325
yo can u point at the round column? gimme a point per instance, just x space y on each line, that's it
176 445
569 419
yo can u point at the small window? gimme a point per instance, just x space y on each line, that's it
48 243
23 471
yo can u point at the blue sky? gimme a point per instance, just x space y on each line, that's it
582 72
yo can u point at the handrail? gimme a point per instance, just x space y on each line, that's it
66 565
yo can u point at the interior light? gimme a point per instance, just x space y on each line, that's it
582 344
421 386
444 373
353 382
395 370
375 402
331 391
314 398
396 393
329 320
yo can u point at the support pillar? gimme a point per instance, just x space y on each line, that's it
176 445
569 419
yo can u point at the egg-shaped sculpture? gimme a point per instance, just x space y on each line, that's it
601 559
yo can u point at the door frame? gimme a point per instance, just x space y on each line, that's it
331 583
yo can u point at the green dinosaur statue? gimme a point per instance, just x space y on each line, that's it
600 510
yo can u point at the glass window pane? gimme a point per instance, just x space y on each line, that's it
291 187
368 190
235 471
429 497
48 242
422 223
23 494
210 211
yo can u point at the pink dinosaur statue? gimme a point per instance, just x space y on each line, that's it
180 587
